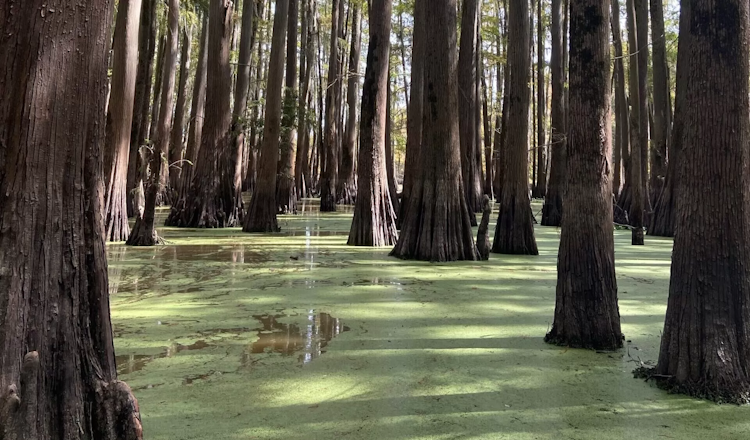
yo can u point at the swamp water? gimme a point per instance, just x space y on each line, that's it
225 335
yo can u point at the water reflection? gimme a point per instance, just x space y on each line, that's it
130 363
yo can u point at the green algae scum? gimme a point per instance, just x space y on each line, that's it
225 335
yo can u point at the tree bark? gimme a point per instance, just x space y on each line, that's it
374 221
586 311
637 204
57 361
347 182
330 164
286 194
120 120
437 226
144 231
705 348
176 144
662 101
553 204
540 186
307 59
622 117
514 233
261 216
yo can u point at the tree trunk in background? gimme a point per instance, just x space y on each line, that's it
307 59
553 203
240 118
210 202
622 117
540 186
261 216
467 104
641 13
156 98
514 233
390 166
705 348
437 226
197 112
636 128
144 231
120 120
586 310
486 127
330 164
142 101
251 175
502 118
663 219
57 358
347 182
374 221
286 194
176 144
662 102
415 110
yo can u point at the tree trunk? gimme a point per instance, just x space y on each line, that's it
374 221
514 233
641 12
307 58
390 166
144 231
142 103
705 348
553 203
540 186
468 105
486 127
622 117
261 216
286 194
662 101
586 311
347 183
663 219
176 144
211 200
57 362
120 120
636 128
330 158
415 110
437 226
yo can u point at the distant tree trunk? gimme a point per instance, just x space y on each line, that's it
307 59
261 216
144 231
622 118
390 166
553 203
705 348
197 112
663 219
468 105
415 110
486 126
586 311
374 217
176 144
641 13
437 226
347 182
210 201
662 101
120 120
540 186
330 164
514 233
158 80
286 194
142 102
251 175
636 128
502 118
58 377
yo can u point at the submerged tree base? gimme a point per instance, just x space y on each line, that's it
732 393
140 236
555 337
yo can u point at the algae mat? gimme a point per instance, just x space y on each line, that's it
295 335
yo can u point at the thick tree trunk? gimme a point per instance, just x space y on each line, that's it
468 104
286 191
57 359
514 233
261 216
705 348
553 203
142 103
415 110
437 226
374 217
144 231
197 112
622 117
586 311
176 144
211 200
347 182
330 165
540 185
120 120
663 219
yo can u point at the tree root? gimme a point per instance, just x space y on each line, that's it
736 394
